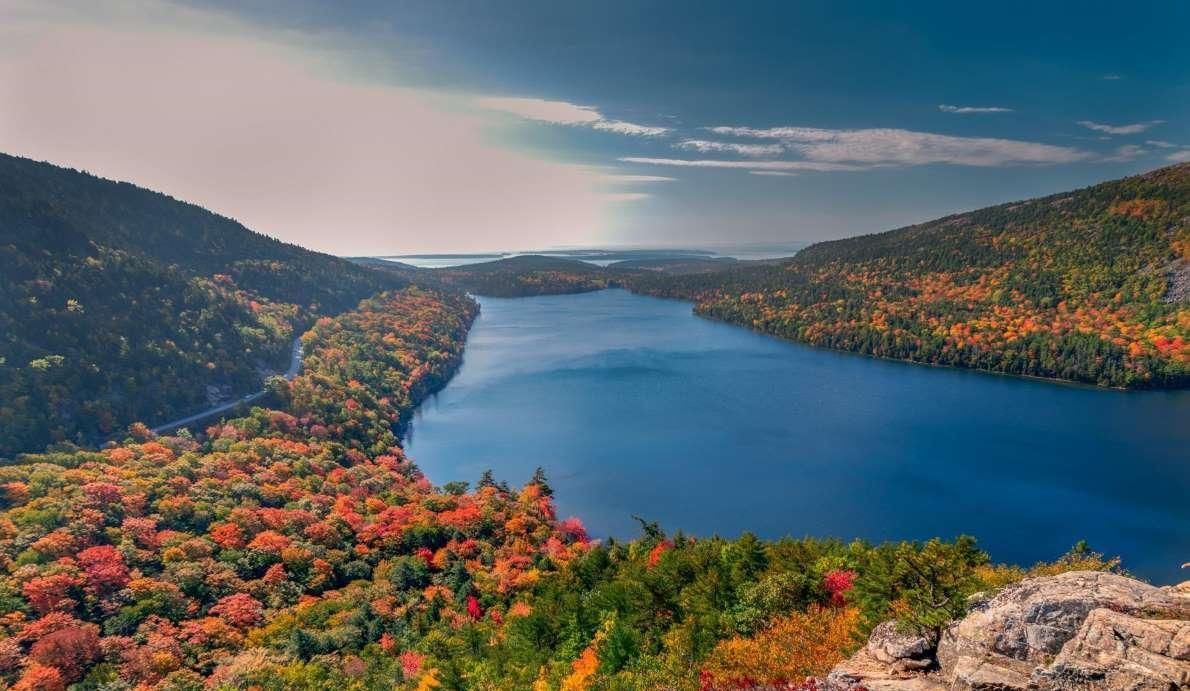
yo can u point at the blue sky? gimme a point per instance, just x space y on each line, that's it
695 123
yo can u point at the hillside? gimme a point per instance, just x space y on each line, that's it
1087 286
121 304
525 275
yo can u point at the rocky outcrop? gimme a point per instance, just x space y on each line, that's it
890 660
1083 630
1177 277
1119 651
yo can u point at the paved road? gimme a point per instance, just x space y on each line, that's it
295 366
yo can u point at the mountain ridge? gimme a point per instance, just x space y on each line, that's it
118 304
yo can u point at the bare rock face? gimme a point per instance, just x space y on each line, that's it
1118 651
999 645
1081 630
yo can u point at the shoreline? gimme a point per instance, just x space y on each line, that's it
1072 383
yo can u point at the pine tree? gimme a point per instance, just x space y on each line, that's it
539 480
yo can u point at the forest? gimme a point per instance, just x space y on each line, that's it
1080 286
118 304
297 547
525 276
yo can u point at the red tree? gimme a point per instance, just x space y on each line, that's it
838 583
240 610
103 568
40 678
473 609
51 593
71 651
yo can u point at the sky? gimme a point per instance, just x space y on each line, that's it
388 127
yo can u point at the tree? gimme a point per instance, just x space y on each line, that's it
240 610
103 569
924 586
69 650
539 480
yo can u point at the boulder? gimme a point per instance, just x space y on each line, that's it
891 661
890 646
1083 630
862 672
1001 643
1118 651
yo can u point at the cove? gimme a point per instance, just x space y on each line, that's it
633 405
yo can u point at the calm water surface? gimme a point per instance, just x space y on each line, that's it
635 406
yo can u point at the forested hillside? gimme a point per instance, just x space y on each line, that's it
524 276
1089 286
121 304
298 548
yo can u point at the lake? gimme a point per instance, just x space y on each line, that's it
634 406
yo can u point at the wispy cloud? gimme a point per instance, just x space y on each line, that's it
1178 153
704 146
631 128
906 148
1128 152
752 165
630 179
1135 128
563 113
964 110
556 112
1111 77
773 173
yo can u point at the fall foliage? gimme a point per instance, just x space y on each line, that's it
1075 286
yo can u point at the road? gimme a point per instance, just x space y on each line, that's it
295 366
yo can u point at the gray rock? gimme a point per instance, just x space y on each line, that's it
1028 623
888 645
1082 630
864 671
1119 651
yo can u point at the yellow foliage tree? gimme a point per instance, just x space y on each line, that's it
429 681
582 671
799 645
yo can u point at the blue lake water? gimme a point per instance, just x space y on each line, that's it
633 405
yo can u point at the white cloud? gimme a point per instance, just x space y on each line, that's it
1128 152
253 125
704 146
563 113
630 128
628 179
755 165
557 112
973 109
1179 156
800 133
773 173
1135 128
906 147
1111 77
1160 144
